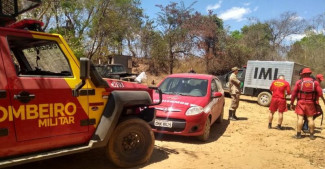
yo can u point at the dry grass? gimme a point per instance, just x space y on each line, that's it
185 65
182 66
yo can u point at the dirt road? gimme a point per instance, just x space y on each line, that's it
247 143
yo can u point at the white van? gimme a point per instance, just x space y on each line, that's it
257 77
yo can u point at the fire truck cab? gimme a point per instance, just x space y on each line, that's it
52 104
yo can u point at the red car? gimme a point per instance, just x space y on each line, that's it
191 103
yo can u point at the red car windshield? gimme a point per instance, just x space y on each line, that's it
184 86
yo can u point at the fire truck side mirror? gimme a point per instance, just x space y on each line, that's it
84 68
84 74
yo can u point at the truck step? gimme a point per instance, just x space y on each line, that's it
45 155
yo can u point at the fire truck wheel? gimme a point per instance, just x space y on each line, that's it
131 143
264 98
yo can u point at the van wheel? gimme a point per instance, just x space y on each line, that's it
264 98
220 118
206 134
131 143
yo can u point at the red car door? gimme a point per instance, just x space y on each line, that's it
217 107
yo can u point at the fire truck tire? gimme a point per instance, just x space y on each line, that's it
131 143
264 99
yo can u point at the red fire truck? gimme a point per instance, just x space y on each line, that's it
52 104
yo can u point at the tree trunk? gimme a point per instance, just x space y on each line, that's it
208 57
131 48
171 61
120 48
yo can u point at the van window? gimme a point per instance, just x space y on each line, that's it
38 57
240 73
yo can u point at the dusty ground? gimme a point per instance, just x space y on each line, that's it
247 143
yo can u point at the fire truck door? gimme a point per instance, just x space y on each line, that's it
41 90
7 133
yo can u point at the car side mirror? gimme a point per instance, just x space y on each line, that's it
216 94
84 68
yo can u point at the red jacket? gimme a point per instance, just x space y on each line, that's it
308 98
279 87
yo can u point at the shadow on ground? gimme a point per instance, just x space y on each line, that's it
216 131
242 118
306 136
249 101
93 159
288 128
87 160
96 159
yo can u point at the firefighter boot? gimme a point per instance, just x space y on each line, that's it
298 136
231 115
234 115
312 137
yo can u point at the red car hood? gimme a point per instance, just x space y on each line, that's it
180 102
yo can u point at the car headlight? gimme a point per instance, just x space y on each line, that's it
194 111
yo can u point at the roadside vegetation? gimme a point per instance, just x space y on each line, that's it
180 37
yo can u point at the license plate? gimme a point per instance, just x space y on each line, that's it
163 123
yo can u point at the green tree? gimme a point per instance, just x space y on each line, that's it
171 18
252 42
206 32
116 22
153 47
70 18
236 54
288 24
158 49
93 27
310 51
236 35
257 38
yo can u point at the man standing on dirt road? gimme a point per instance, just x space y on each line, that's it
307 91
305 129
234 86
279 88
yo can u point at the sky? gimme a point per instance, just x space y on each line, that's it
235 13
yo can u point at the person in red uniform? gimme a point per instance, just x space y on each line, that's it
306 101
305 129
320 78
279 88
